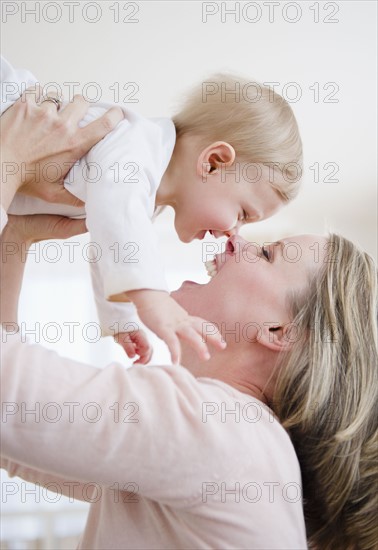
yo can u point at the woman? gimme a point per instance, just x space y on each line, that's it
181 457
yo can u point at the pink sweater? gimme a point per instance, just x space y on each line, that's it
167 460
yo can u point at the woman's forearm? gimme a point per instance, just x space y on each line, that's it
13 255
10 184
18 235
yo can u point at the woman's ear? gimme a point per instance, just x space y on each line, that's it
277 337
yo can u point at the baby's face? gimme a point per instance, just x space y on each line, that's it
222 201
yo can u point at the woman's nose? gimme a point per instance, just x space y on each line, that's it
234 243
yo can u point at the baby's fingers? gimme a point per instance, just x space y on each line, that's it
144 350
124 340
210 333
174 346
129 349
194 337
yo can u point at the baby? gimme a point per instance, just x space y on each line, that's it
232 155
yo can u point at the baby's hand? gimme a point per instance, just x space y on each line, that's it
135 343
161 314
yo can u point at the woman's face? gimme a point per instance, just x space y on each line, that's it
251 285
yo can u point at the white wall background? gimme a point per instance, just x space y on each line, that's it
170 46
164 47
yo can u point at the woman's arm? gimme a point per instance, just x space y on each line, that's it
18 235
69 488
109 426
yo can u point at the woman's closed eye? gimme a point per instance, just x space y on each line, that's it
266 253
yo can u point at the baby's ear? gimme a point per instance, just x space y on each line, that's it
277 337
221 152
214 156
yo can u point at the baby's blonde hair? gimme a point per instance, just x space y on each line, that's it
255 120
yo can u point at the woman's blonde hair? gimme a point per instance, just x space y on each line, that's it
326 397
251 117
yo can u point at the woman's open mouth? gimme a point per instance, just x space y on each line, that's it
211 267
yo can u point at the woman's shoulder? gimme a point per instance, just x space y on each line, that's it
254 438
234 427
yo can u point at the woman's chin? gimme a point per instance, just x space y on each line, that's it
189 283
183 290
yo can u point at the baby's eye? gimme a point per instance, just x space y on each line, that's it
243 216
265 252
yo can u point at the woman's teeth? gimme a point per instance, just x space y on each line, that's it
211 268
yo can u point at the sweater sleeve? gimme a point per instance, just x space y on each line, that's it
71 489
111 426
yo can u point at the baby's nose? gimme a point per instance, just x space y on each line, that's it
228 233
231 232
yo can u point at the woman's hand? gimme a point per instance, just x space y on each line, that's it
34 136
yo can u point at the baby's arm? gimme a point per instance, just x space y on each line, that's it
120 320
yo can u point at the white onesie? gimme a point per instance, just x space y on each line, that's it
118 180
